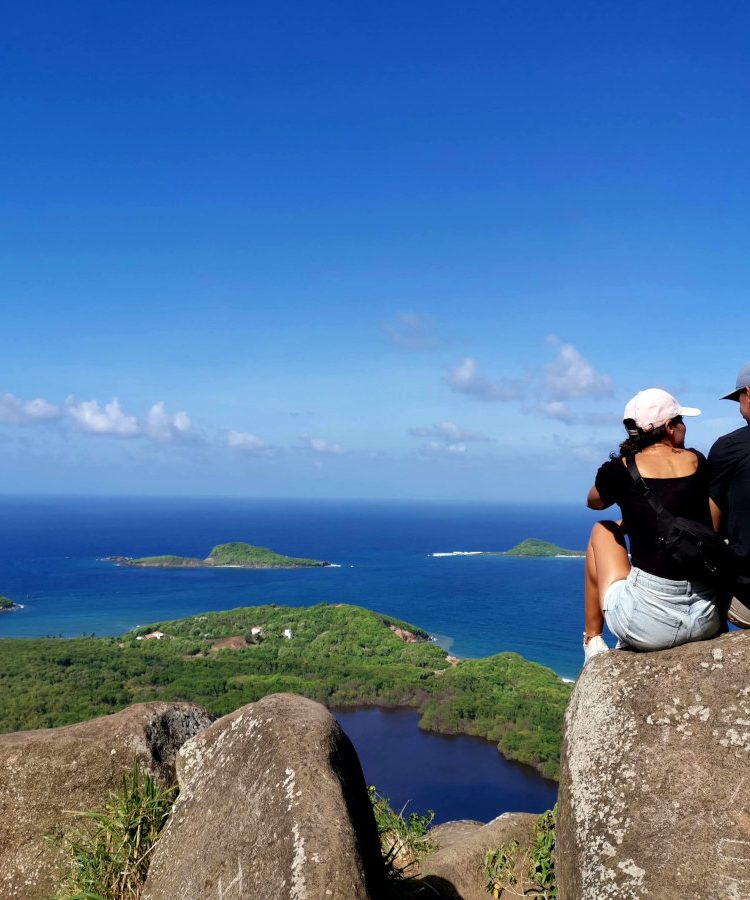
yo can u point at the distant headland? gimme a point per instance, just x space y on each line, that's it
234 555
530 548
7 605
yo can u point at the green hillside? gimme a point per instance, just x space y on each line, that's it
338 655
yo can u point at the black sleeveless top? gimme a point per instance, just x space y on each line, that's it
685 496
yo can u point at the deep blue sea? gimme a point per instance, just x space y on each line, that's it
51 552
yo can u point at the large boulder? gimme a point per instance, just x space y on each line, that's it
655 784
46 774
456 870
272 805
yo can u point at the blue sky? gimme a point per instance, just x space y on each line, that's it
385 250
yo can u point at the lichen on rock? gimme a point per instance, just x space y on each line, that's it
655 776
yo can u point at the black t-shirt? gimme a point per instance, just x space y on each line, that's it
686 496
729 470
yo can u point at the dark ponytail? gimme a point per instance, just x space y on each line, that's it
639 438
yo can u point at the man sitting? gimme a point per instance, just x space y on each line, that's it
729 471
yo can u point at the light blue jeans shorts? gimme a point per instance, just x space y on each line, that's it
646 612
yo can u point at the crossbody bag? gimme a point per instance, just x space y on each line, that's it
699 550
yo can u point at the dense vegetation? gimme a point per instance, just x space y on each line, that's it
536 548
235 553
166 562
6 603
339 655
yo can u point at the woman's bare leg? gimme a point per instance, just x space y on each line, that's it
606 562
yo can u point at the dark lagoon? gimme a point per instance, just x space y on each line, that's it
459 777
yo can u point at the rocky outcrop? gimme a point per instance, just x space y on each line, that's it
456 870
655 785
46 774
272 805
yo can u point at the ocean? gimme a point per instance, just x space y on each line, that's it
52 549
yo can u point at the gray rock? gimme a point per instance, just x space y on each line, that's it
448 833
655 777
48 773
272 805
456 870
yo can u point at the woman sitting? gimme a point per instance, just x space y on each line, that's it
649 605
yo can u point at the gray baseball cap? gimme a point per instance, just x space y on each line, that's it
743 381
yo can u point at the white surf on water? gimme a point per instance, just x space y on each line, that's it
460 553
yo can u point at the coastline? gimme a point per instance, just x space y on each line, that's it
445 642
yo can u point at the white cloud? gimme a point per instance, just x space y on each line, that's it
248 443
556 409
89 417
570 375
163 427
465 379
447 440
109 419
14 411
411 331
593 452
434 449
449 433
602 419
325 448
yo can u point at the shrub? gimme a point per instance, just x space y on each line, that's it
513 871
109 856
404 839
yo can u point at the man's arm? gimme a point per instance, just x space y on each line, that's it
720 473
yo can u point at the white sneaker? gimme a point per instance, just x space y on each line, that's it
593 646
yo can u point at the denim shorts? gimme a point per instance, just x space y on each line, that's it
646 612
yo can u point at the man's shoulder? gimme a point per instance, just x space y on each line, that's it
735 441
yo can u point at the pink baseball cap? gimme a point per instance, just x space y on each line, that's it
653 407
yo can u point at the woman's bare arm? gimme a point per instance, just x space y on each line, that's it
594 501
715 514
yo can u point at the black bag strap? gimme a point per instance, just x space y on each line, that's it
644 489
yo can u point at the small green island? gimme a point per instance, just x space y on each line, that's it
536 548
6 604
236 555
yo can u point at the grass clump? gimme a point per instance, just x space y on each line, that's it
110 854
514 871
404 840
